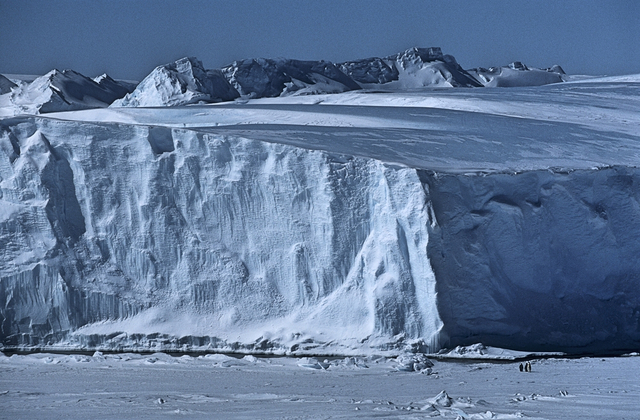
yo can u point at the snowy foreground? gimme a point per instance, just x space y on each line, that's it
155 386
354 223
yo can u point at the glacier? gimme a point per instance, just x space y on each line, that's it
352 223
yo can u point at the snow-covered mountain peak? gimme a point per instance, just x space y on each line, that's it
182 82
423 67
370 70
65 90
119 88
417 55
556 69
186 81
187 64
262 77
413 68
517 65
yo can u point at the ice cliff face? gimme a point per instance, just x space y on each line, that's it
543 258
465 216
119 236
112 231
180 83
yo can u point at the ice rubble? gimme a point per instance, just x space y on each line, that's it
517 74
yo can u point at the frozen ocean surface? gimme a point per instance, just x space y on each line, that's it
54 386
366 222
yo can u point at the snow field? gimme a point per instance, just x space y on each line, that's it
56 386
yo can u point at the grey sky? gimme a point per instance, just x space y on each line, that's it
128 38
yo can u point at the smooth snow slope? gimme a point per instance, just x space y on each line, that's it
507 217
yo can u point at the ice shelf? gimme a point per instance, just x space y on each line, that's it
345 228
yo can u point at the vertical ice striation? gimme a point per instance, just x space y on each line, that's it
121 235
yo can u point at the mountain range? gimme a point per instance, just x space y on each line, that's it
186 81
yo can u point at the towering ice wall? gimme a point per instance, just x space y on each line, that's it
119 235
539 260
123 236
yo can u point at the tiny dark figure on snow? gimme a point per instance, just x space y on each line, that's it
527 367
521 368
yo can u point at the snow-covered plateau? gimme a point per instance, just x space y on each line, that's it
361 222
